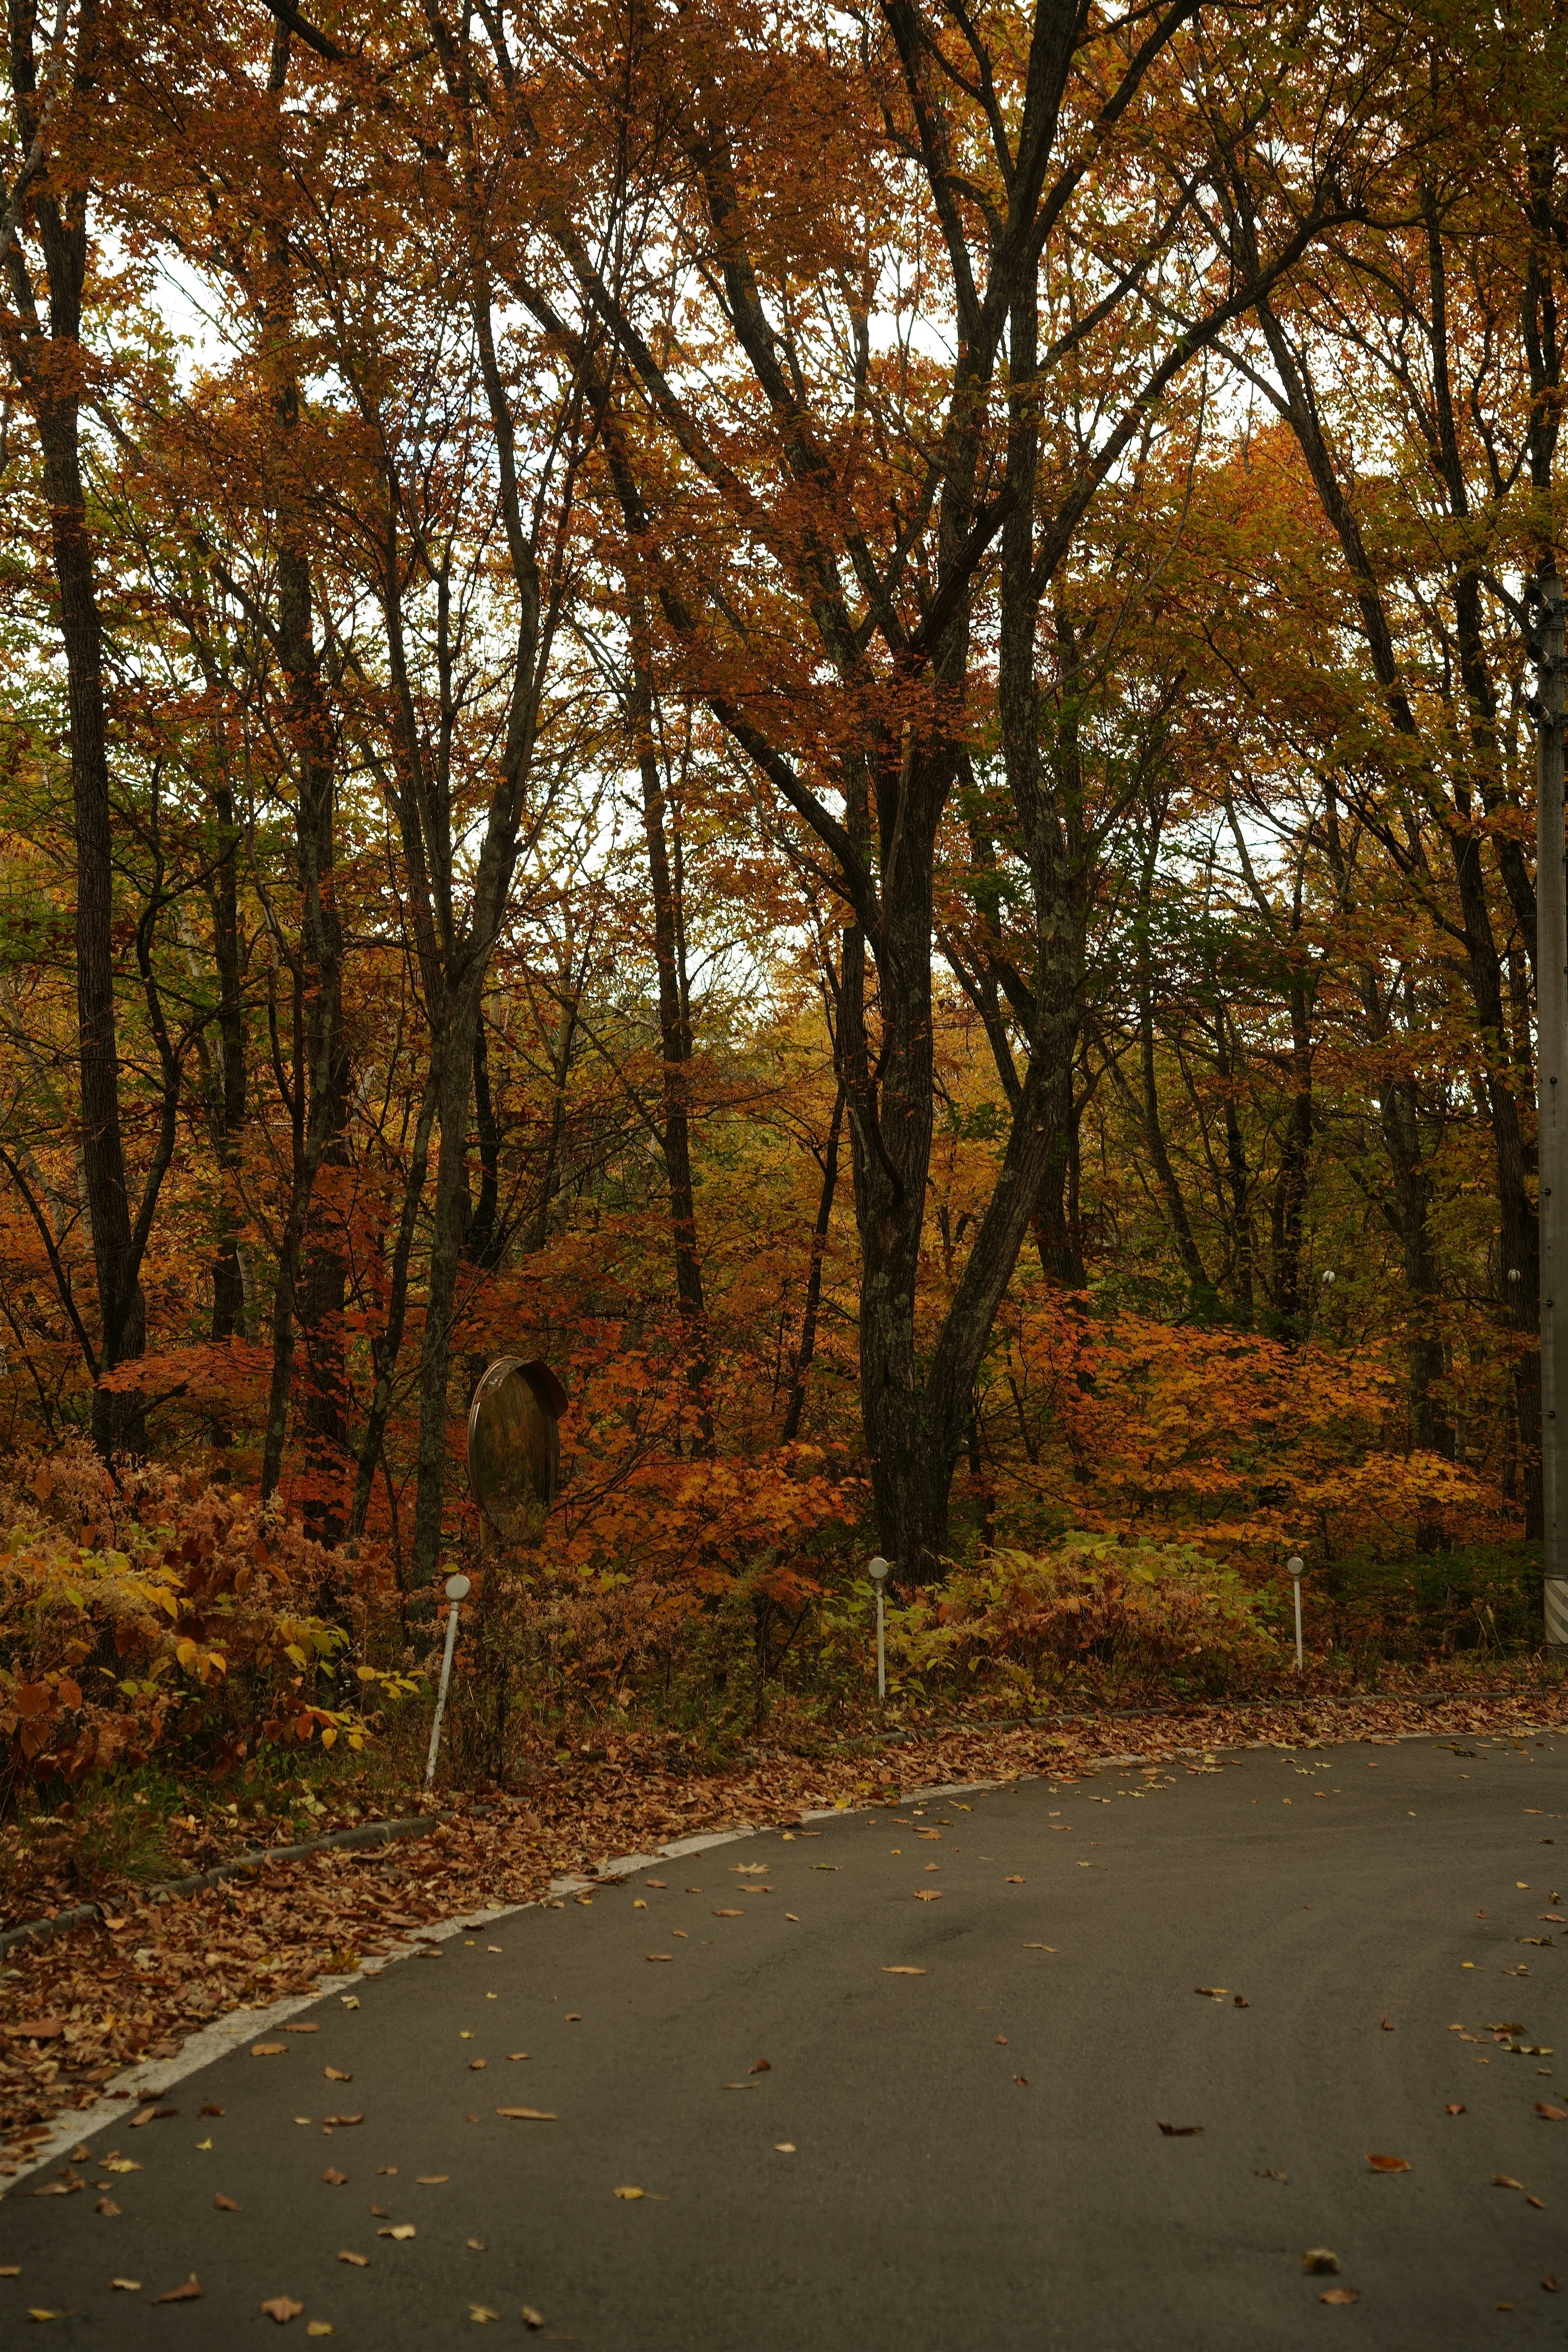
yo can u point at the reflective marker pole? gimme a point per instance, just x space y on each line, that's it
1296 1569
456 1591
1552 1083
877 1571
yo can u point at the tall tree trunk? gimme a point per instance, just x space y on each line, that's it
806 1349
228 1316
674 1022
308 1291
48 365
1290 1182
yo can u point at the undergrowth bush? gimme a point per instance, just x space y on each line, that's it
1094 1615
160 1612
1478 1600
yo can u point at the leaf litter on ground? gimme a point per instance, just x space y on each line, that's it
276 1934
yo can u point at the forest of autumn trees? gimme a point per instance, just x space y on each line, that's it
823 711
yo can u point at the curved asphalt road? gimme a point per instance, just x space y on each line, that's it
973 2156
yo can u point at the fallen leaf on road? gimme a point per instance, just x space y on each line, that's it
784 2147
1550 2284
729 1914
1002 2039
319 2328
1023 2080
477 2244
899 1971
128 2287
1012 1882
1389 2163
1551 2115
656 1881
928 1894
1272 2175
269 2049
37 2311
226 2204
515 2054
478 2065
531 2318
333 2177
1039 1947
1316 2258
399 2230
282 2308
1241 2001
628 2195
430 2179
301 2029
1506 2180
661 1956
189 2293
343 2120
761 2066
336 2075
1455 2107
55 2188
360 2261
1537 2202
1386 2023
109 2208
1181 2131
1213 1992
575 2016
529 2114
482 2313
1341 2294
638 1902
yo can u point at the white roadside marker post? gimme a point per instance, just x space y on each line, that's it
877 1570
1296 1569
458 1588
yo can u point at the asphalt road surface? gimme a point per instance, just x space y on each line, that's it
956 2141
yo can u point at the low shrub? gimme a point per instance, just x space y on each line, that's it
1094 1615
1479 1599
157 1611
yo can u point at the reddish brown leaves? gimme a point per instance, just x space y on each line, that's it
190 2293
1389 2163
